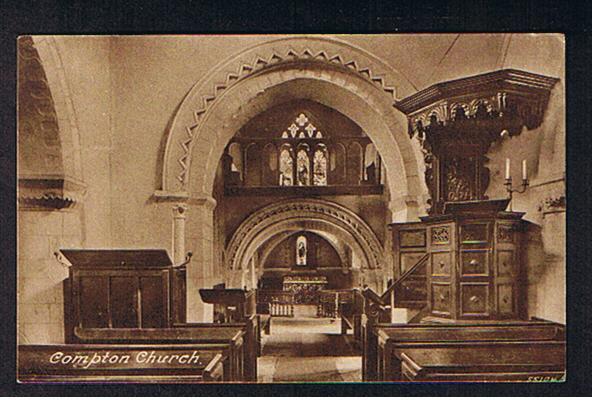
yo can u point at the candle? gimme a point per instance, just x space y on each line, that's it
507 168
524 174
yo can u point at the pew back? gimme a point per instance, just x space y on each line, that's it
252 340
229 339
382 339
484 362
473 333
120 363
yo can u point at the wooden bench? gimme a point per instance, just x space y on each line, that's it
496 361
229 340
235 305
121 364
383 339
252 341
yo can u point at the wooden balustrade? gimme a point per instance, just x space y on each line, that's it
276 303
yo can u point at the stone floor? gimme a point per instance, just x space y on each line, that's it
306 349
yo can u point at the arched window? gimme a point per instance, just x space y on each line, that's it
269 165
354 163
253 165
303 167
320 166
237 158
301 250
370 163
286 166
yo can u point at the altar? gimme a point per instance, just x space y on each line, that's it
305 287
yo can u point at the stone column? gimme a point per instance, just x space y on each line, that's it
179 216
405 209
200 271
253 273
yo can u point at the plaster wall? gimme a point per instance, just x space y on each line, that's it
125 91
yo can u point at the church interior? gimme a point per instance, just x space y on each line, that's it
291 208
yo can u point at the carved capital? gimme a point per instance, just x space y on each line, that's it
180 211
162 196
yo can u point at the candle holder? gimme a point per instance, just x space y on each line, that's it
511 190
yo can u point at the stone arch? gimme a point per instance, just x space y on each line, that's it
50 169
303 214
50 58
328 71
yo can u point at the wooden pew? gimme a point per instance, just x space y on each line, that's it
235 305
230 305
374 314
230 340
382 339
121 363
489 361
252 341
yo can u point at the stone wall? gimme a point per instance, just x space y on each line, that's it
40 277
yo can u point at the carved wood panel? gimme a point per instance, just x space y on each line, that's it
474 299
441 264
408 259
474 233
505 263
505 233
505 298
474 263
414 238
441 298
440 235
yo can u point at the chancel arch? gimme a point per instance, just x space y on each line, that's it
298 215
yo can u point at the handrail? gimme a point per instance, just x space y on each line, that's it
373 296
385 296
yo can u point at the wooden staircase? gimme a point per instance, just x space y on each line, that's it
406 298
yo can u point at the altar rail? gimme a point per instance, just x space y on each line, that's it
277 303
332 302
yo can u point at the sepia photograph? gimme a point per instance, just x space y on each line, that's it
296 208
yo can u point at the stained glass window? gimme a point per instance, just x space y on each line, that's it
301 250
303 173
302 167
286 167
320 167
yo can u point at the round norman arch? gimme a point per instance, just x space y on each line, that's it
328 71
303 214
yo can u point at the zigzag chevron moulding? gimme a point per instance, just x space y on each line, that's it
259 63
